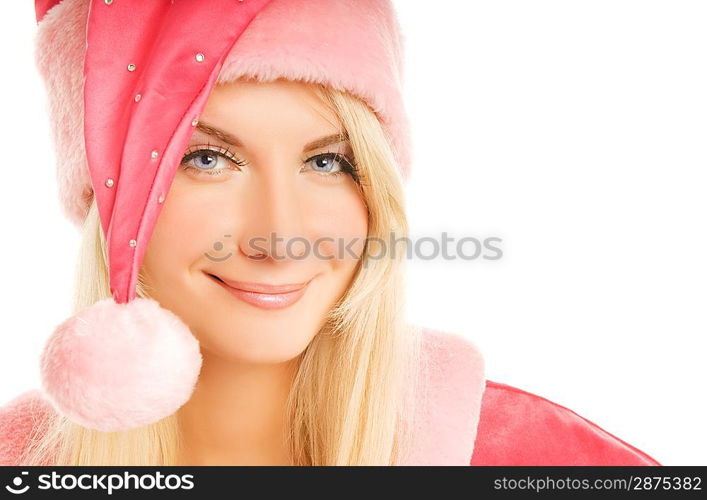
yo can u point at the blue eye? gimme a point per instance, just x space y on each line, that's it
205 160
332 164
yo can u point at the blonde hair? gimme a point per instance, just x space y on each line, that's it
365 352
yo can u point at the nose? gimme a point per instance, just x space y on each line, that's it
275 216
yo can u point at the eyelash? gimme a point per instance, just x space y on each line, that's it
196 151
348 165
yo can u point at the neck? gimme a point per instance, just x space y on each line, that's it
237 414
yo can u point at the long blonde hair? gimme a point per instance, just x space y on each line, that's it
365 353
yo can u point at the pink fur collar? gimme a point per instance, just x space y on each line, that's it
449 404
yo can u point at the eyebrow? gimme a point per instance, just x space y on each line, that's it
234 141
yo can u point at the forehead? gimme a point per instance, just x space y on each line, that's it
277 101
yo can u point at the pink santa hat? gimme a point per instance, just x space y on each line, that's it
126 82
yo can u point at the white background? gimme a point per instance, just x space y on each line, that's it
574 130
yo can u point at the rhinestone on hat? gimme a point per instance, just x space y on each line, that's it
155 154
137 97
110 182
131 67
160 199
194 122
133 243
200 57
108 2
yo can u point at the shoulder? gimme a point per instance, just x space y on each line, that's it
453 369
448 392
450 352
18 420
520 428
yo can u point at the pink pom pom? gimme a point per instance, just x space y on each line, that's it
115 367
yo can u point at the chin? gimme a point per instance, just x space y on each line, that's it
256 344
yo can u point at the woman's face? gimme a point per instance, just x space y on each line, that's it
278 206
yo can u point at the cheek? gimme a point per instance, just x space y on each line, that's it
186 228
343 218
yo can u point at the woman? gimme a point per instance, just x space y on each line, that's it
234 180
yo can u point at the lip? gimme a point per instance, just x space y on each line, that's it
264 296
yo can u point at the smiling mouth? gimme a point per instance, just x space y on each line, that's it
263 288
261 295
